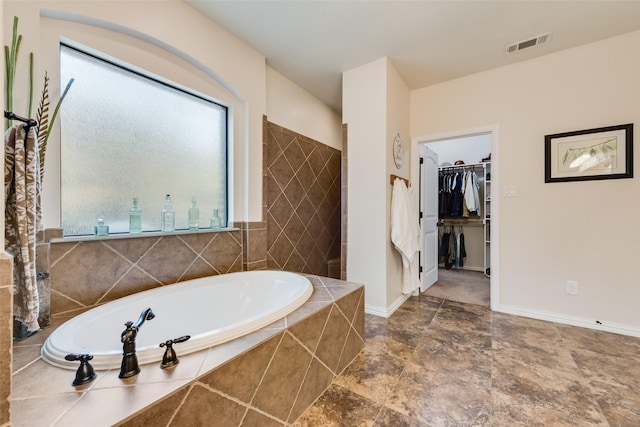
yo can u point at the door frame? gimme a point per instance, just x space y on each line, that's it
494 130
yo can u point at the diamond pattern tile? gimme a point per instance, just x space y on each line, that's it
241 376
281 210
133 249
333 339
305 210
273 230
191 413
295 262
96 271
281 250
136 280
282 171
87 271
318 379
294 154
309 331
303 196
167 260
294 192
294 229
282 380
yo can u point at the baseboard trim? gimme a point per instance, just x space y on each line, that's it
600 325
385 312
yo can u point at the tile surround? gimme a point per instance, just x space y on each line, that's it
267 378
89 272
302 196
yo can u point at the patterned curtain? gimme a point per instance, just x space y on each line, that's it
22 219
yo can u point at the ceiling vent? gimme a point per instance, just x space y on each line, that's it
528 44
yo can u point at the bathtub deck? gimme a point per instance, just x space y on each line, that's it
268 377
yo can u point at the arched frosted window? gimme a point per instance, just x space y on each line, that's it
126 134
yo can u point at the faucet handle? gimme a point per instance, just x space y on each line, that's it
170 358
85 373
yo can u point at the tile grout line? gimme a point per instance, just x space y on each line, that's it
131 267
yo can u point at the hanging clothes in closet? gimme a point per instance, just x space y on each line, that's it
459 193
452 251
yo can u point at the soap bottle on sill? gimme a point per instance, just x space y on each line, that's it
194 215
168 216
135 218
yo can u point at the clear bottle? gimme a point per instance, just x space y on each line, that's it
216 221
101 229
168 217
135 218
194 215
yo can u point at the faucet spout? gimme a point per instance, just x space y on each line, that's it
129 366
146 314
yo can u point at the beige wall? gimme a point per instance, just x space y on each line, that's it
551 233
364 111
293 108
375 108
397 105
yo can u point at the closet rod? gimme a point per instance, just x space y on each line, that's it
453 167
465 222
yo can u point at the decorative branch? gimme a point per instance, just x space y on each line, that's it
30 85
42 116
44 125
11 61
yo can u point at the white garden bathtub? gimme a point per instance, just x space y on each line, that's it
212 310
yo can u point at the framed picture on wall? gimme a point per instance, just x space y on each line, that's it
600 153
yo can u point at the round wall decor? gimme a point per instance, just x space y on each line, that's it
398 151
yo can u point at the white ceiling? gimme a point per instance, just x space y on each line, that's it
312 42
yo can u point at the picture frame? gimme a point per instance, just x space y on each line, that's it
591 154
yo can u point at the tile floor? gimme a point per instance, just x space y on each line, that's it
436 362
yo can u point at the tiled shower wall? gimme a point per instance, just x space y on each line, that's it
303 201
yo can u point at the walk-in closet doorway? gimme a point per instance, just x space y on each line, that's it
465 224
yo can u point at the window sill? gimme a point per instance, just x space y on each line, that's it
117 236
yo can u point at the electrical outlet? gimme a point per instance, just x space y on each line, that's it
510 191
572 287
